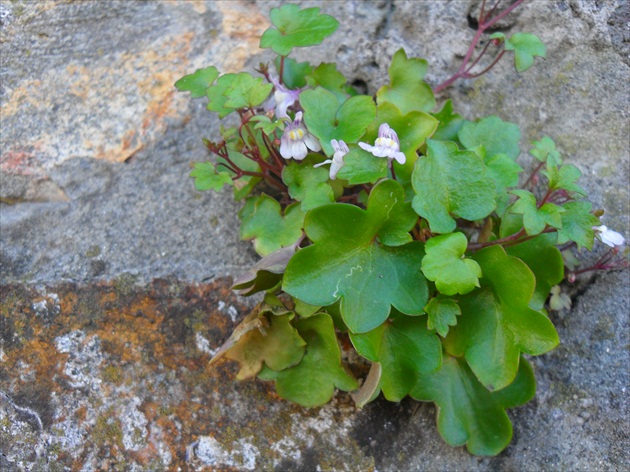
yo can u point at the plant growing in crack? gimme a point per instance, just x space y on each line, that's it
400 229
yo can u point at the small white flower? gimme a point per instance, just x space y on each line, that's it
609 237
336 163
296 139
386 145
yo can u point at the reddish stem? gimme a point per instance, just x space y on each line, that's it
533 174
483 26
545 198
483 51
515 238
492 64
281 71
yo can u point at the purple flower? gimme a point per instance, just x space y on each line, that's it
386 145
336 163
296 139
283 98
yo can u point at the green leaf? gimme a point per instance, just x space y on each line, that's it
198 82
216 95
446 265
296 28
545 260
362 167
405 348
545 151
265 124
443 312
564 177
577 224
304 309
261 220
497 323
276 344
265 274
495 135
312 382
525 46
308 184
451 183
535 219
294 73
328 120
245 184
469 414
208 178
412 129
504 171
328 77
449 123
350 259
245 91
407 90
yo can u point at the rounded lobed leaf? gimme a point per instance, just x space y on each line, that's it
312 382
198 82
262 221
407 90
446 265
295 27
208 178
404 348
327 119
494 134
277 345
451 183
307 184
467 412
352 259
497 324
443 312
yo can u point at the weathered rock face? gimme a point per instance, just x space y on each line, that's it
102 366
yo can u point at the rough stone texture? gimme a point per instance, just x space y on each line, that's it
102 366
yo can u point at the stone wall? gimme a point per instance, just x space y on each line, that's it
112 265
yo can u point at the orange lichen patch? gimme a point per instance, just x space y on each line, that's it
243 24
81 413
242 20
146 350
124 100
29 94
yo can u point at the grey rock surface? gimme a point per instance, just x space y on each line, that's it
95 150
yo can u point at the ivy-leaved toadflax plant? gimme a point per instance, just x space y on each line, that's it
412 231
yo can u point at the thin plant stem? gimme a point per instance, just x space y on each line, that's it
281 71
533 174
482 27
483 51
515 238
492 64
494 7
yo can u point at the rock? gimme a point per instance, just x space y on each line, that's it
111 263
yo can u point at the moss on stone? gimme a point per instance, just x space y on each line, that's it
93 251
125 284
107 431
113 374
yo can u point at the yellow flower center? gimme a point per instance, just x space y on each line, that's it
296 134
386 142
